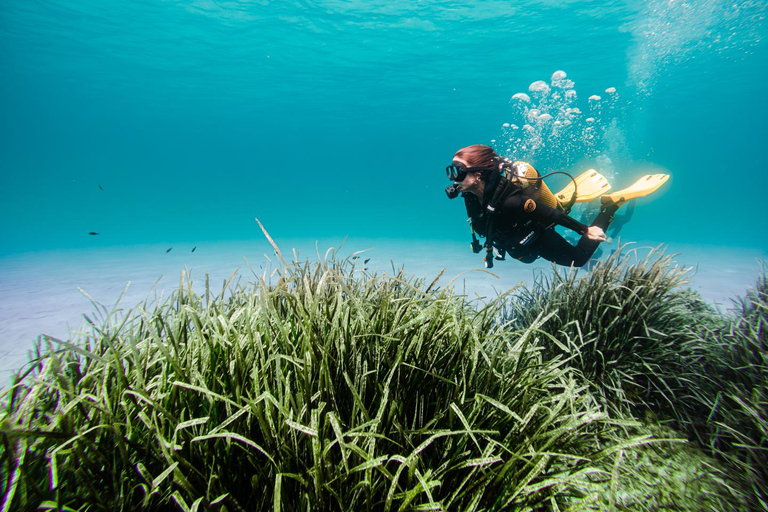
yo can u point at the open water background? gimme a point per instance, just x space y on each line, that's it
161 124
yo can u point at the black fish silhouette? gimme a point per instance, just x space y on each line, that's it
169 250
366 261
193 249
92 233
101 188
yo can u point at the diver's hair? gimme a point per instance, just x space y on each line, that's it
479 155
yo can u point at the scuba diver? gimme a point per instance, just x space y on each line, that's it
509 204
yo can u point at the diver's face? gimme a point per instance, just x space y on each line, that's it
472 180
470 183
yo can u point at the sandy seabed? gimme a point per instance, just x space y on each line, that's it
48 292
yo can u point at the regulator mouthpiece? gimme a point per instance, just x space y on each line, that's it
452 192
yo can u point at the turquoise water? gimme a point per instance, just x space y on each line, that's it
179 122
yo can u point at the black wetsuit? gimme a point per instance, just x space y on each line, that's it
524 227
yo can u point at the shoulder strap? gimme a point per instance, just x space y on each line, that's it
503 189
474 209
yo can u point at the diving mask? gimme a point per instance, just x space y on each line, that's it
457 172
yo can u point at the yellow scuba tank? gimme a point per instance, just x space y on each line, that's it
525 176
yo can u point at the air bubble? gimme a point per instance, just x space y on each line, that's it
552 129
557 76
521 96
540 86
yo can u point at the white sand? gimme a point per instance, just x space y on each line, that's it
40 291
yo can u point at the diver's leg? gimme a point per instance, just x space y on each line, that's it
586 247
553 247
606 214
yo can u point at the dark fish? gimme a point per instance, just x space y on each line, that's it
355 257
92 233
101 188
366 261
169 250
193 249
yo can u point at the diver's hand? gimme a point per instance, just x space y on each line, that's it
596 233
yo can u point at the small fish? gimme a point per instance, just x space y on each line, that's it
92 233
169 250
355 257
193 249
101 188
366 261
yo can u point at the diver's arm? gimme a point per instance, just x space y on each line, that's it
520 206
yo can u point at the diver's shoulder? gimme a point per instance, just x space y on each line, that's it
512 198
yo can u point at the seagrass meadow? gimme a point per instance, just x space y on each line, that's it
320 386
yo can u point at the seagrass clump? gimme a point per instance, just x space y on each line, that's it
625 326
647 345
315 387
736 429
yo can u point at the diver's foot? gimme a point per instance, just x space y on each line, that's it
609 205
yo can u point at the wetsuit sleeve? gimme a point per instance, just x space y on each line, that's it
519 207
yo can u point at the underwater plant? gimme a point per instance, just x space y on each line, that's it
623 326
736 430
317 386
320 386
647 345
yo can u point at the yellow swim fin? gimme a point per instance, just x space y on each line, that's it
589 185
642 187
